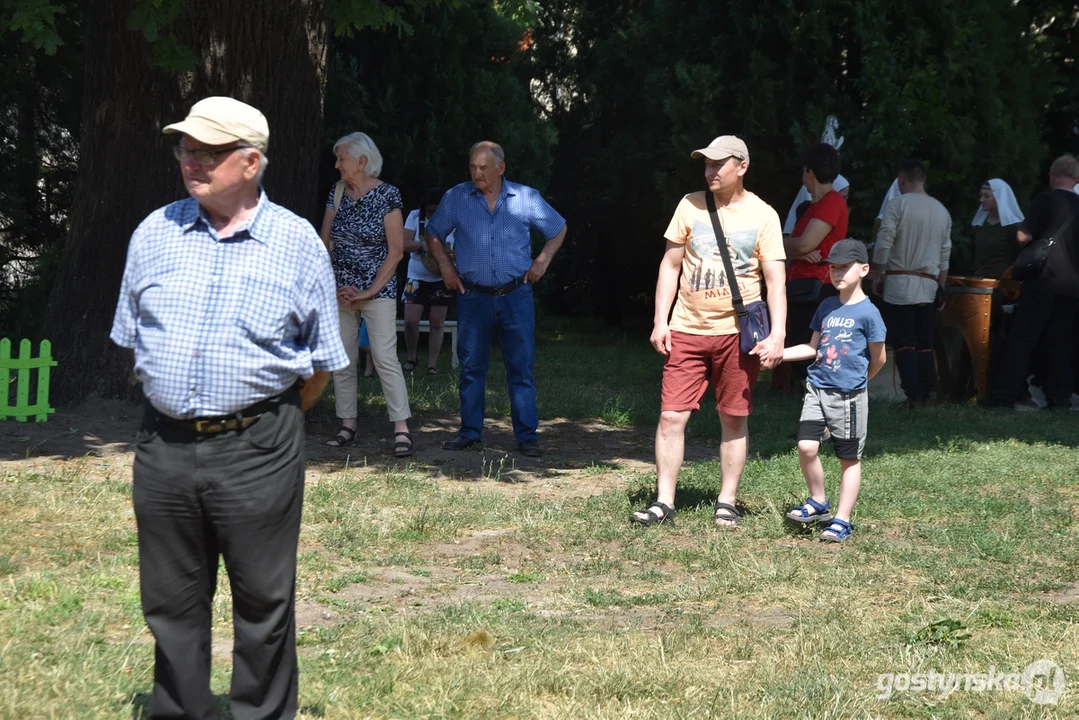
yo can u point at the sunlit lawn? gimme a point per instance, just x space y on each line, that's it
425 598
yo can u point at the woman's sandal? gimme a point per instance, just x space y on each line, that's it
345 435
410 365
653 517
726 513
837 531
402 448
432 371
810 513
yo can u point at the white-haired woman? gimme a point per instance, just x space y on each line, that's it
364 232
996 226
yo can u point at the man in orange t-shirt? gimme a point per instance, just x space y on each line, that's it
822 226
701 339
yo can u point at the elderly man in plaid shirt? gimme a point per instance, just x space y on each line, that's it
230 304
492 219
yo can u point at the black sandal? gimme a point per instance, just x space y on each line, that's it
410 365
341 439
725 511
432 371
402 448
654 518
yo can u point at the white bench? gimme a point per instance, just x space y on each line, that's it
450 326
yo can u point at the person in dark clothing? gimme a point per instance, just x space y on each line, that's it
1048 303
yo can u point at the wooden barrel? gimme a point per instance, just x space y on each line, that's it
969 309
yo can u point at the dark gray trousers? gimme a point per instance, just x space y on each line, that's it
237 495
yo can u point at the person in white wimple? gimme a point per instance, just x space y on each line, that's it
996 230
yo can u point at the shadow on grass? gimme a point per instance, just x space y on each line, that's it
568 445
140 707
109 426
599 393
690 497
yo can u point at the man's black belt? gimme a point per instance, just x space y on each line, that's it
497 291
239 420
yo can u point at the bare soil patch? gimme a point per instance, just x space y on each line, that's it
580 458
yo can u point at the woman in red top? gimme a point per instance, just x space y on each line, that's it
823 224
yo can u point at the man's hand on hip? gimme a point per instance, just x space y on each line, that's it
451 278
539 267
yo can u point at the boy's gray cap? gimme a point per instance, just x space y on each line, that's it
848 251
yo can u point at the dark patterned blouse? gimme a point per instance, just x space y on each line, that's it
359 238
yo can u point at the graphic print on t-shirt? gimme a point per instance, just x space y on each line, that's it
752 228
835 339
843 350
707 272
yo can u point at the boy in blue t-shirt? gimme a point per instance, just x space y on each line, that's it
848 344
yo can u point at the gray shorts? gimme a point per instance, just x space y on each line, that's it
844 414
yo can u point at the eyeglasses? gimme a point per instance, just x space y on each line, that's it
206 158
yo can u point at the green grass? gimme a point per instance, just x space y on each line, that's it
426 598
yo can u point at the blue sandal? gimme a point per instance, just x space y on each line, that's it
811 512
837 531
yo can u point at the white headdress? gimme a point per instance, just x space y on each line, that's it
892 194
1007 205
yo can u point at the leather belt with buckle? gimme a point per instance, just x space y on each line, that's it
497 291
218 425
238 421
915 273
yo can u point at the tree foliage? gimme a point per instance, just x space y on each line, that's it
597 101
40 116
1054 31
953 82
458 76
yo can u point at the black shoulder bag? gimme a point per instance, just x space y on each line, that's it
753 322
1034 258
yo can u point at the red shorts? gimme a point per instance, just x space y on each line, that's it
696 359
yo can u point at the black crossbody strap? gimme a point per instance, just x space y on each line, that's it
721 240
1062 231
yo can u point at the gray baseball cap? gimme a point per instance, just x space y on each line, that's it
848 251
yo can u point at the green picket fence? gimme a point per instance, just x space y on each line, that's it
22 409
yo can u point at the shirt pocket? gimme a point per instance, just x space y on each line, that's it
266 310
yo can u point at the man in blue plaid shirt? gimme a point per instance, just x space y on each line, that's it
230 304
492 219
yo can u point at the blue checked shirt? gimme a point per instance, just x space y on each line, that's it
218 325
494 248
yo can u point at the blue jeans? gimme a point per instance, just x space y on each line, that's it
515 317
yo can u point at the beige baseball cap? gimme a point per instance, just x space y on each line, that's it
723 146
221 120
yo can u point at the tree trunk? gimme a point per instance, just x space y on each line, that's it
272 56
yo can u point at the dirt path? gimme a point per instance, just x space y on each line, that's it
580 457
